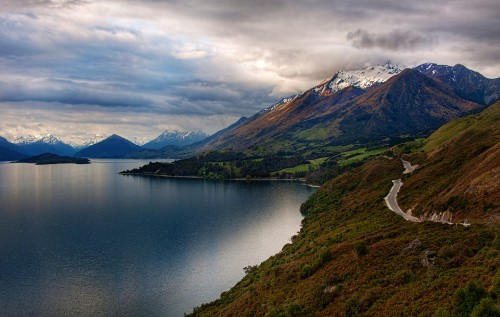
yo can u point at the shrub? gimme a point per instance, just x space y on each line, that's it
495 287
486 308
294 310
308 270
466 298
361 248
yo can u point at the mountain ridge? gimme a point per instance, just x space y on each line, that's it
113 146
175 138
10 151
32 145
467 83
315 116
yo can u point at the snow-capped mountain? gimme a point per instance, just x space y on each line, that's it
369 104
467 83
362 78
45 144
25 139
113 146
276 105
175 137
93 140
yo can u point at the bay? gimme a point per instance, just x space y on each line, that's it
81 240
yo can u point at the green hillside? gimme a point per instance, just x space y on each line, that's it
354 257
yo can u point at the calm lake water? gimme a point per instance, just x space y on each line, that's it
81 240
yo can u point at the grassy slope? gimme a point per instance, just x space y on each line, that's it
321 274
460 169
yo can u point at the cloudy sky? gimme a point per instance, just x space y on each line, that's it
77 68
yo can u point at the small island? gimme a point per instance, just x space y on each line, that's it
49 158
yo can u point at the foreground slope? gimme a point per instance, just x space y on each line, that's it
355 257
461 161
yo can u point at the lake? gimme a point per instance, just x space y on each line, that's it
81 240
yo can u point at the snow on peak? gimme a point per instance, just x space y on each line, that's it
50 139
25 139
363 78
178 134
276 105
93 140
28 139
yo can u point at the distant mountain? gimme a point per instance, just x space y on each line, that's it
46 144
466 83
408 102
10 151
175 138
175 151
93 140
114 146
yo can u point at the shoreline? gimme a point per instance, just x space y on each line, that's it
301 180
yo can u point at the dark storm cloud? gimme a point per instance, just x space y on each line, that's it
396 40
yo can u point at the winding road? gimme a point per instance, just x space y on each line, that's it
408 167
392 203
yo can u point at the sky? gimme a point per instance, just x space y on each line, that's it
80 68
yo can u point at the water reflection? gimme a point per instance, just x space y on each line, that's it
82 240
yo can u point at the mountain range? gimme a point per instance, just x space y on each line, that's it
46 144
373 105
175 138
28 145
387 103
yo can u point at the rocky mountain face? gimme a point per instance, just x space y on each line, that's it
175 138
114 146
466 83
366 109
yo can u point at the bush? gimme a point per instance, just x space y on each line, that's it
294 310
495 287
466 298
361 248
308 270
486 308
